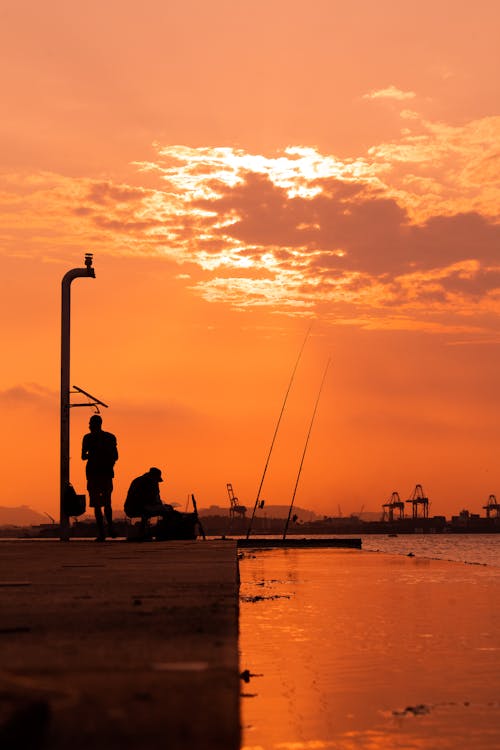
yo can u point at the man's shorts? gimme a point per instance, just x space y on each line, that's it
100 489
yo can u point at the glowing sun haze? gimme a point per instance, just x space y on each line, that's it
239 171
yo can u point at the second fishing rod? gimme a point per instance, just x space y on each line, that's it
257 499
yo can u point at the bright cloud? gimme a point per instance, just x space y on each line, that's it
391 92
410 226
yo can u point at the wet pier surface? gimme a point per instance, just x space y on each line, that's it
118 645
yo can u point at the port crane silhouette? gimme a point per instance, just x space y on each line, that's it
419 501
492 507
235 509
393 504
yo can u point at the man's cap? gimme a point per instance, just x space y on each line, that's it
156 473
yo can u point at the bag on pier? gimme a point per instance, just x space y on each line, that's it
176 526
73 504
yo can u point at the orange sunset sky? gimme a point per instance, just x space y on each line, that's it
240 170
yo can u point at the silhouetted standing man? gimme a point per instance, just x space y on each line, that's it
100 451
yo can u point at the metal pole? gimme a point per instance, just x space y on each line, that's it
75 273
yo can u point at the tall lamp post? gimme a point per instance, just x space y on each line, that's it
74 273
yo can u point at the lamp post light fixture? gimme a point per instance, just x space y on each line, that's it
74 273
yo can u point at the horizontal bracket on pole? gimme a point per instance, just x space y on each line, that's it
94 402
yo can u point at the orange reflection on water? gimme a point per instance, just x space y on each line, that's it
349 649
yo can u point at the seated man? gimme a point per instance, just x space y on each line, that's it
143 498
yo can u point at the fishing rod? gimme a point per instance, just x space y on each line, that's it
305 449
256 505
197 518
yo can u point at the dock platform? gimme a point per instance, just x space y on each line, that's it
119 645
294 542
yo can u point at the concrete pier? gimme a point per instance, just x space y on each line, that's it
119 645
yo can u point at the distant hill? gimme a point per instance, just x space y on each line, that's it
271 511
369 515
281 511
22 515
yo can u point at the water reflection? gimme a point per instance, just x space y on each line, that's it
474 549
348 649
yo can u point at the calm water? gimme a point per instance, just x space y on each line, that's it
479 549
373 651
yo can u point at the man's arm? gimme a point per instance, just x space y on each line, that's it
110 447
85 450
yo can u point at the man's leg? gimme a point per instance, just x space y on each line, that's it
94 490
101 536
108 512
106 490
145 526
